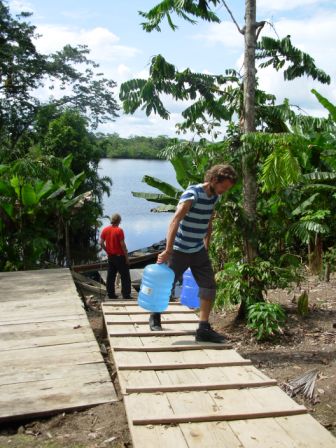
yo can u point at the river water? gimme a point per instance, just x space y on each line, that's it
141 226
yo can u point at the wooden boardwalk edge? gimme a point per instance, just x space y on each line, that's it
50 360
182 393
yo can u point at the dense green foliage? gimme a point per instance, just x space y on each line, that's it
135 147
49 201
292 161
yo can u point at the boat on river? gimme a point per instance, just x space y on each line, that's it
90 278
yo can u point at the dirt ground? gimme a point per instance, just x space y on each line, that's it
306 343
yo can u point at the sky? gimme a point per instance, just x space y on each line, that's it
112 30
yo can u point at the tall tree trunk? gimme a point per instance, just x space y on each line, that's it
248 124
249 160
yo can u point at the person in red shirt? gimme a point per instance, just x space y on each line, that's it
112 241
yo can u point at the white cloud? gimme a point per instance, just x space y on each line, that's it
284 5
140 124
123 71
19 6
102 42
313 36
224 33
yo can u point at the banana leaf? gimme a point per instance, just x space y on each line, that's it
155 197
164 187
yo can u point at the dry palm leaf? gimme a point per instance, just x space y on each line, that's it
303 384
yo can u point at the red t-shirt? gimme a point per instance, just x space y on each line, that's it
112 235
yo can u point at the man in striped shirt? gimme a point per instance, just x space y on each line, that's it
188 240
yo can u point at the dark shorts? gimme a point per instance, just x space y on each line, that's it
200 266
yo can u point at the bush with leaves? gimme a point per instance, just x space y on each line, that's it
240 282
265 319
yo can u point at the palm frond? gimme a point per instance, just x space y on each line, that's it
320 175
304 205
185 9
280 52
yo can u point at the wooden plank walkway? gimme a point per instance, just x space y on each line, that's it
184 394
50 360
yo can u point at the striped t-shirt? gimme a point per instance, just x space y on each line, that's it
194 226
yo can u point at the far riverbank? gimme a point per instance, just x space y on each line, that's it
142 227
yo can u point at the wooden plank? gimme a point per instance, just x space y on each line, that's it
215 375
209 435
232 374
203 365
266 433
142 321
209 405
173 348
307 432
166 326
48 341
30 327
158 437
152 333
83 278
68 372
190 357
52 302
137 312
155 436
217 417
50 360
195 387
131 304
31 317
52 396
77 353
180 388
40 320
152 340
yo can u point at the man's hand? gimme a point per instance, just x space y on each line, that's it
164 256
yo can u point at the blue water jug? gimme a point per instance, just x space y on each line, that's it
190 290
156 285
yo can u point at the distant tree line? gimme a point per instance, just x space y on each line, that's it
134 147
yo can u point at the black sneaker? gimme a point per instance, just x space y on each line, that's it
155 322
207 334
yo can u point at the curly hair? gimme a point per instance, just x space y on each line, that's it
218 173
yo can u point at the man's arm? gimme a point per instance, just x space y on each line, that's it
124 248
209 232
102 244
181 211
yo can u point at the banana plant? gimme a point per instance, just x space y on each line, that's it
190 161
28 207
169 195
301 167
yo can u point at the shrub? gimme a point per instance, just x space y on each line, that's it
265 319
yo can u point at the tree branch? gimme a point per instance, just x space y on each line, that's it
233 19
259 27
